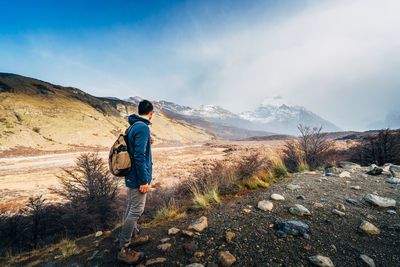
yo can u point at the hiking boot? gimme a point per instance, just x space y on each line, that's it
129 256
140 240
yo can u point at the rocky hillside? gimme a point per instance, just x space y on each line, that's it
345 216
36 115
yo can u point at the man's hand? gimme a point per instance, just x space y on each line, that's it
144 188
152 139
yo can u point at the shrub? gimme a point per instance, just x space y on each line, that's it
311 149
169 212
380 148
90 188
36 208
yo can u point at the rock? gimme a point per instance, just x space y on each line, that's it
374 170
395 170
347 165
190 247
195 265
187 233
322 261
338 212
341 207
380 201
165 240
277 197
370 262
226 259
295 228
173 231
330 171
352 201
199 225
299 210
155 261
164 247
199 254
293 186
318 205
355 187
301 197
265 205
345 174
369 228
98 233
391 212
212 264
393 180
229 236
107 233
246 210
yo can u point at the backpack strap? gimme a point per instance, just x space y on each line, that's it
130 126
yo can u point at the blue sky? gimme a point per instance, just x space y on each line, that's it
336 58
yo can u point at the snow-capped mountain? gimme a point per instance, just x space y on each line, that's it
278 115
272 115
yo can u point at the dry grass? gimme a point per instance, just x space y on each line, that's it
168 213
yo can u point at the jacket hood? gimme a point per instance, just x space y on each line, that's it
135 118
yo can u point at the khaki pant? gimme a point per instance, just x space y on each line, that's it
134 209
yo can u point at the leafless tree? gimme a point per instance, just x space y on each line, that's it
89 184
313 147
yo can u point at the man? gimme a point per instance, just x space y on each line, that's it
137 181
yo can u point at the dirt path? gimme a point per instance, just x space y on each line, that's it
22 177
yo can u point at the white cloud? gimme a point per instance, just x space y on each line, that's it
337 58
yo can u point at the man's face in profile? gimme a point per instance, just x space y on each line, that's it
151 115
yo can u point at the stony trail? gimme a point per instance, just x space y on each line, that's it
254 240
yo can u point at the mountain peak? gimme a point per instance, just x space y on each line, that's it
275 101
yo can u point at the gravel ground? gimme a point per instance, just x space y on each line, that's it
256 243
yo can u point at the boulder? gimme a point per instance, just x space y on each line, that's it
395 170
331 171
265 205
338 212
226 259
344 174
368 261
98 233
393 180
352 201
173 231
164 247
295 228
155 261
229 236
322 261
199 225
293 186
382 202
369 228
277 197
374 170
299 210
347 165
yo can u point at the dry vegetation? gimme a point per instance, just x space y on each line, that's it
91 193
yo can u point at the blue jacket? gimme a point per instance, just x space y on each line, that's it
139 148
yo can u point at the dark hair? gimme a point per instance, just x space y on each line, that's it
145 107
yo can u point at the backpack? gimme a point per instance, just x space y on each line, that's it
119 160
